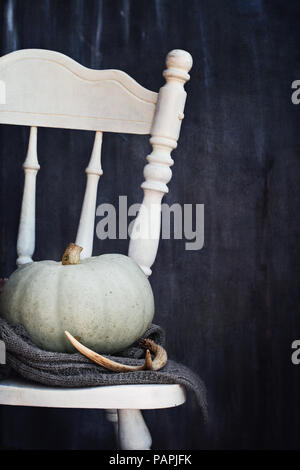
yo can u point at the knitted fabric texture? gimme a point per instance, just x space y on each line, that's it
25 359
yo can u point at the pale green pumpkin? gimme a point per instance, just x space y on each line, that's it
105 301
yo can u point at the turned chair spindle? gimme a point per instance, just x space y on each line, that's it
85 233
26 235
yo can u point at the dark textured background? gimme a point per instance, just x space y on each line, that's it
231 310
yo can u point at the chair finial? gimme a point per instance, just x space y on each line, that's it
178 63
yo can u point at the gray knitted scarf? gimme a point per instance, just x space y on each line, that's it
25 359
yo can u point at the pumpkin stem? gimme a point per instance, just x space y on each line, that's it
72 254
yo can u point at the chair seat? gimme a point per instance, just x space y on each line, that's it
19 392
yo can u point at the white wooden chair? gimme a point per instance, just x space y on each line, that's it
48 89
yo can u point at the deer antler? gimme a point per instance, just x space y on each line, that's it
160 356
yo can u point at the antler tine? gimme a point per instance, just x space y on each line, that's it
160 354
108 363
148 360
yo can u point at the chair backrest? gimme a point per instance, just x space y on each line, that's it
41 88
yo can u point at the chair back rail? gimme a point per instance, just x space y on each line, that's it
47 88
26 234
